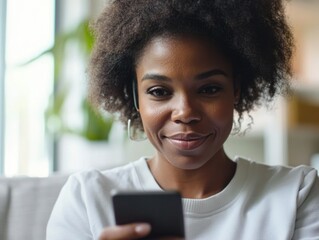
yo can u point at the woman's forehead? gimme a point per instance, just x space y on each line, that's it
183 47
162 44
183 57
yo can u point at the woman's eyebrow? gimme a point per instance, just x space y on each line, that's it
154 76
210 73
201 76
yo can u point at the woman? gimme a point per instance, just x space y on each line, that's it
193 64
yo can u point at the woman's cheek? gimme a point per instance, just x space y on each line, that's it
222 114
153 115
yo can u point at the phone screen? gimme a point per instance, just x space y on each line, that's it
162 209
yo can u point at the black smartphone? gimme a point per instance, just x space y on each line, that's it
162 209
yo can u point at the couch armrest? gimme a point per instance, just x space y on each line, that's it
26 204
4 203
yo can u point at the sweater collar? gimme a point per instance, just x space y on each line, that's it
204 206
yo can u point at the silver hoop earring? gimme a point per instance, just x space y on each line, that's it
135 134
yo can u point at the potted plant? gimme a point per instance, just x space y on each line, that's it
97 126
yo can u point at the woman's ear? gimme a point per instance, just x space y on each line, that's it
135 94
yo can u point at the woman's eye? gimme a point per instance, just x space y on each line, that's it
158 92
210 89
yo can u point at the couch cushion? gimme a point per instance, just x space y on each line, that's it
4 203
25 206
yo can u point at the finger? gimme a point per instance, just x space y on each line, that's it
129 231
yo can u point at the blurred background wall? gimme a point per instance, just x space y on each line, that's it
48 126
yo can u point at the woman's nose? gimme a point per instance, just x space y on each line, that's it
185 110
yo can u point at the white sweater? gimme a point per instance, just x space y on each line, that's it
260 202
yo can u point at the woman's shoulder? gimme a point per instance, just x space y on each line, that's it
113 176
303 179
264 169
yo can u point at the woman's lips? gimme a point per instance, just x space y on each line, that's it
187 141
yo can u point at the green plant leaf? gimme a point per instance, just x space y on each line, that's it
97 126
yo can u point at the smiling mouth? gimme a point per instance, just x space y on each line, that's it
187 142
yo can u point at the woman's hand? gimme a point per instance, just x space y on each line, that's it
128 231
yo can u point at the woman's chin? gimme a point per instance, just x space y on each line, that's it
188 162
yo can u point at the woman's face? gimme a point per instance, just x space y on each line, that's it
186 99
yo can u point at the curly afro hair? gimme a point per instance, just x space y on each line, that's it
253 33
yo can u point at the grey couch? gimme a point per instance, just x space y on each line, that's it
25 206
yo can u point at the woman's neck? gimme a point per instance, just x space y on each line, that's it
202 182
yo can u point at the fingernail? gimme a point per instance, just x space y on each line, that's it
143 228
